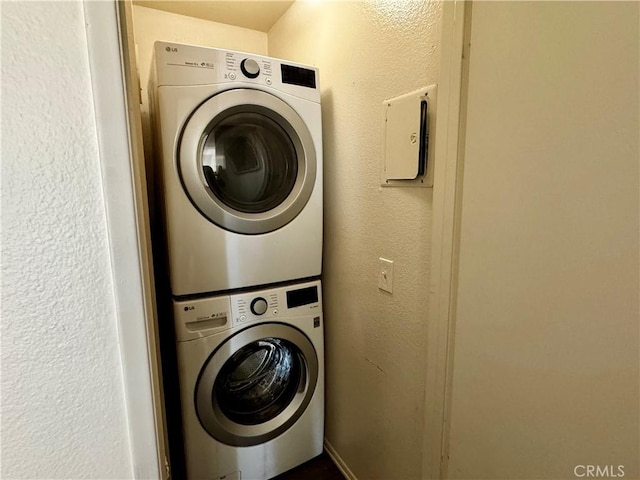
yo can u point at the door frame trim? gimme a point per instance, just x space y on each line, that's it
447 193
124 190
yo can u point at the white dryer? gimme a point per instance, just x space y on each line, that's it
239 147
251 369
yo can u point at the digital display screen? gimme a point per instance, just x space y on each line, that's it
298 76
302 296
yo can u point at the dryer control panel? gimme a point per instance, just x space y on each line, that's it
282 302
176 64
240 66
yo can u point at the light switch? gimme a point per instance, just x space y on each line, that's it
385 275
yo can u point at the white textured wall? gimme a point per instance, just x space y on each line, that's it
375 342
546 372
152 25
63 408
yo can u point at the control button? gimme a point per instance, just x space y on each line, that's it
242 318
268 81
250 68
232 76
258 306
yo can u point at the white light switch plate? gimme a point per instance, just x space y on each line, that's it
385 275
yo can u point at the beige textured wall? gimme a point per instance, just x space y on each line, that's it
546 369
375 342
64 413
152 25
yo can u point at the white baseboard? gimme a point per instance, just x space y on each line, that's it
338 461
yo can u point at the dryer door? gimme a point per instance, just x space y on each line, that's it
256 384
247 161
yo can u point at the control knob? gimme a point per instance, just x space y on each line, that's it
258 306
250 68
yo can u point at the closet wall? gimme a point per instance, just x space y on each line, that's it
375 341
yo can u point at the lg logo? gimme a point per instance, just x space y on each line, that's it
599 471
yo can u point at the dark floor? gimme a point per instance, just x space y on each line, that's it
319 468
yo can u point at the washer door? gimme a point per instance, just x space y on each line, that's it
256 384
247 161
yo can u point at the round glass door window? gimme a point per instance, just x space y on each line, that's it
249 162
259 381
257 384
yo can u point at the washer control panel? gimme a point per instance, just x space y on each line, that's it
282 302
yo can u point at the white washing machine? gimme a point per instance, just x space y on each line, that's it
239 147
251 370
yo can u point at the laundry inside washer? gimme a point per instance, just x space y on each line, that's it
259 381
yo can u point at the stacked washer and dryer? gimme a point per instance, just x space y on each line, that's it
239 177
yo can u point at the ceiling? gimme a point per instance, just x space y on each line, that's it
258 15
